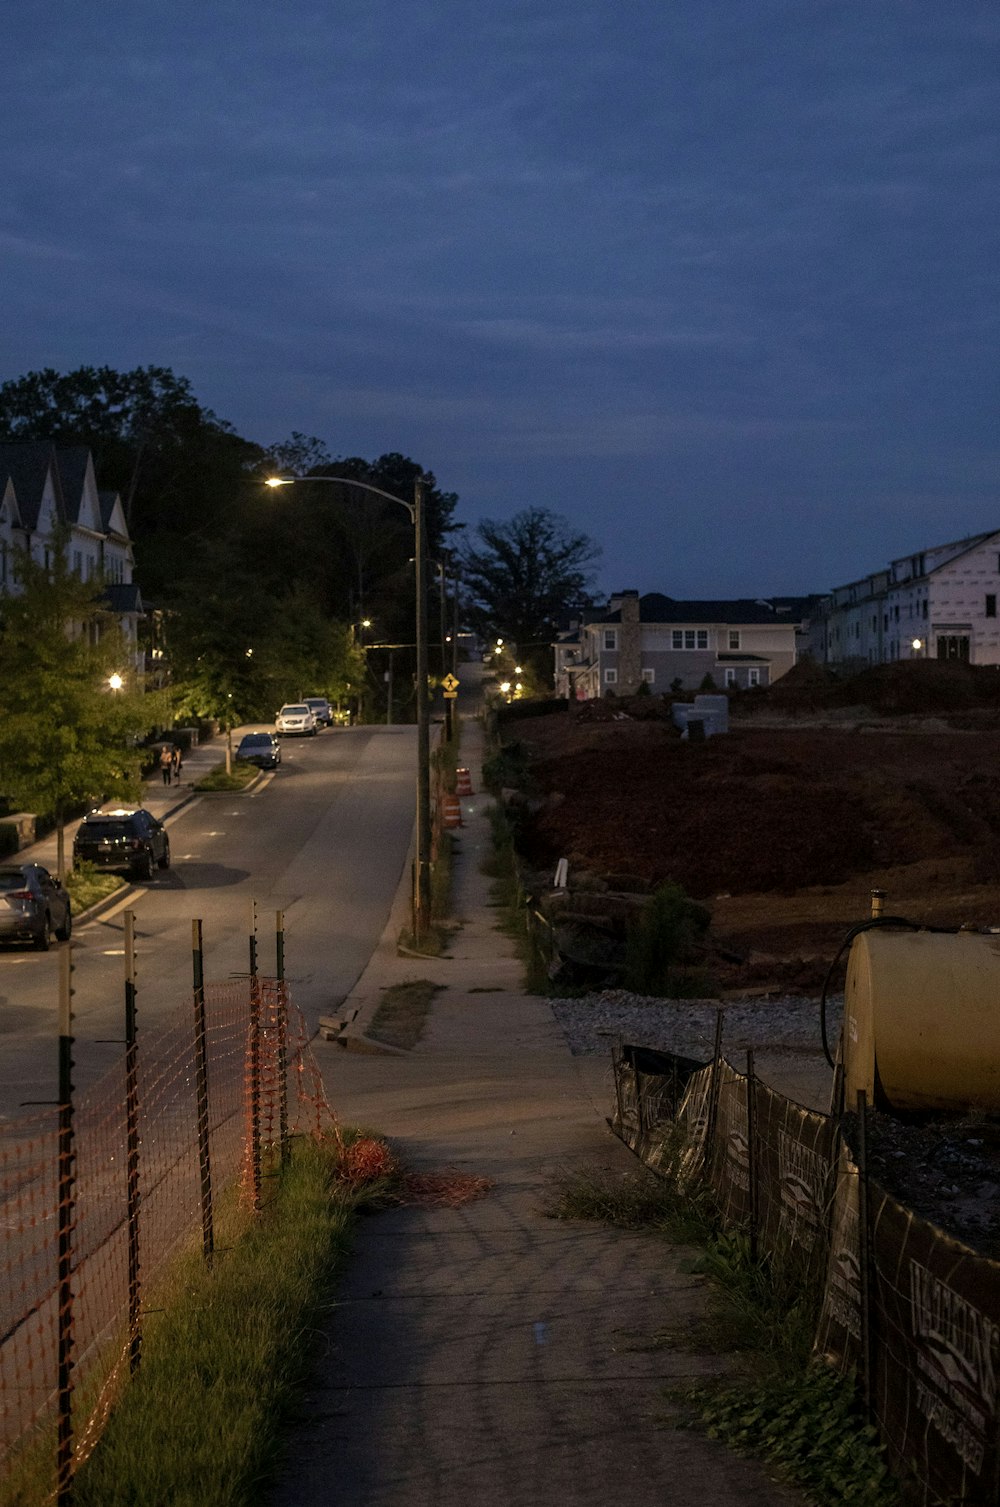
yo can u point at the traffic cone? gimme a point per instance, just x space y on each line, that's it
464 785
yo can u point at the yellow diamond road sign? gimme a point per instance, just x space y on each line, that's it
450 683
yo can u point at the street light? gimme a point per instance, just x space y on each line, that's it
422 888
115 681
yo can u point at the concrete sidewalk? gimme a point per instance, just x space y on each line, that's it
487 1353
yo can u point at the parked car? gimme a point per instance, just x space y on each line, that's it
296 718
262 749
320 708
33 906
128 841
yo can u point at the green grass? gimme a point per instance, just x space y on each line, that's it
222 1364
88 884
402 1013
781 1406
217 779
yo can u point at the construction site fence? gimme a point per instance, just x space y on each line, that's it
100 1189
913 1314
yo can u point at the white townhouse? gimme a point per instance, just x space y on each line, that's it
670 644
940 603
45 490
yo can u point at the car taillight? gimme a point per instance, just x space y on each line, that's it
20 895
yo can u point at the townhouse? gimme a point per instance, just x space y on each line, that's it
940 603
49 497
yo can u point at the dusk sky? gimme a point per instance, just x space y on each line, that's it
715 280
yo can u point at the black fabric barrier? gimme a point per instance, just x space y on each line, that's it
935 1318
915 1314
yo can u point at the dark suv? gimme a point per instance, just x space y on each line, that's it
131 842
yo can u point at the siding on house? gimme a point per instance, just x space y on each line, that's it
938 603
673 644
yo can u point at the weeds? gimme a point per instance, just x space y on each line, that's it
402 1013
241 776
784 1407
87 885
201 1421
639 1200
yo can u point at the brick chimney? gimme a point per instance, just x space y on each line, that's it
629 647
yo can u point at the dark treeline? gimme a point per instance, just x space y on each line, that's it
260 592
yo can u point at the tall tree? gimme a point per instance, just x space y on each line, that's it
182 471
521 578
65 736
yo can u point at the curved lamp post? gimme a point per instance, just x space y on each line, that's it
422 886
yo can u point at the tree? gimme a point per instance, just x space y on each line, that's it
523 577
66 737
183 473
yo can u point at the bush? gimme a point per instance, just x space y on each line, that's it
8 839
663 941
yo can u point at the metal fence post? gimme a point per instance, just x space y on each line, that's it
66 1222
714 1089
253 1066
132 1154
864 1252
201 1083
283 1141
753 1167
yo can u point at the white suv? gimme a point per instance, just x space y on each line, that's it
296 718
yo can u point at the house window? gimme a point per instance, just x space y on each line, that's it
925 609
611 677
649 676
730 677
677 639
734 638
991 605
753 677
702 638
610 638
689 638
78 562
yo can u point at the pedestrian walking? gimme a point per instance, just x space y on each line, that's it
177 762
166 763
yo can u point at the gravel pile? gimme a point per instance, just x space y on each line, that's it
687 1026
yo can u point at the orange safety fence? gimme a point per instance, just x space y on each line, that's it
262 1086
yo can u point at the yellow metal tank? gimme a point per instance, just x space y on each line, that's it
921 1024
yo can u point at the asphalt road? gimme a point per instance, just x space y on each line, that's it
324 838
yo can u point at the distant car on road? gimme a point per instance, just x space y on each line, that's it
128 841
320 708
33 906
262 749
295 718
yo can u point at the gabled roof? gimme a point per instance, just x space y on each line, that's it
80 495
123 597
656 608
112 514
28 467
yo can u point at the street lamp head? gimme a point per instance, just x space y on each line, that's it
279 481
115 681
918 643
